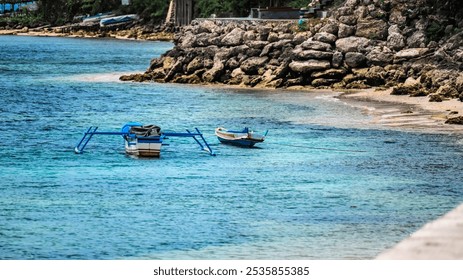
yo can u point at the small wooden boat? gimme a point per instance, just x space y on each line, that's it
143 140
243 138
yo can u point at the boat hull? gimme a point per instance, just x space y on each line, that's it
143 147
240 142
245 138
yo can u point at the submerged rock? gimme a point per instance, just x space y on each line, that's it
455 120
413 90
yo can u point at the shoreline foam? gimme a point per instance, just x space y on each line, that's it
410 113
398 112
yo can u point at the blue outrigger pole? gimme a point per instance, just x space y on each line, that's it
204 145
144 142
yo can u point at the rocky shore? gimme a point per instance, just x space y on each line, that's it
363 44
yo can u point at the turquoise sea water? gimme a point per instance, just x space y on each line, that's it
324 185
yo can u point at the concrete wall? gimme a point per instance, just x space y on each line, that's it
183 12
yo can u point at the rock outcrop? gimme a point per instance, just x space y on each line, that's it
363 43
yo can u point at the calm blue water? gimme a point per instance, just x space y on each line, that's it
331 191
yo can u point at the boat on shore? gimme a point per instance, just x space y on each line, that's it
142 140
118 19
242 138
97 18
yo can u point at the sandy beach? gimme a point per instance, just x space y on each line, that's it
404 112
121 35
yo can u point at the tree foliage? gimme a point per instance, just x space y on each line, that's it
61 11
240 8
150 9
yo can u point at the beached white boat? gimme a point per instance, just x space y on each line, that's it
97 18
118 19
243 138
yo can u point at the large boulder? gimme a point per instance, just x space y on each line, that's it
257 44
315 45
279 45
234 38
344 11
249 36
380 56
455 120
447 91
397 17
272 37
417 40
312 54
187 41
351 3
207 26
325 37
352 44
252 64
349 20
174 70
337 74
410 53
187 79
362 12
195 64
355 59
372 29
375 76
309 65
213 74
331 27
395 41
459 83
346 30
300 37
337 59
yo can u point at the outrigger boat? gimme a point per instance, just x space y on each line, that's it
142 140
244 138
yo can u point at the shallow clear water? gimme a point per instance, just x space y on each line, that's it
319 187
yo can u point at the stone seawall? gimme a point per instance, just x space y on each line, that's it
365 43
